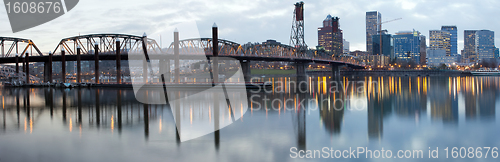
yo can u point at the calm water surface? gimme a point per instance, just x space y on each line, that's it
394 113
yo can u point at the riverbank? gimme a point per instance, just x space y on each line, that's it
274 72
406 73
248 85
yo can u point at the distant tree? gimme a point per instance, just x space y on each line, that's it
442 67
489 63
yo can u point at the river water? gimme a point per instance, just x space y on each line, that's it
290 122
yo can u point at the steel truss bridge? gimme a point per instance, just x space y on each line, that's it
106 43
273 51
118 46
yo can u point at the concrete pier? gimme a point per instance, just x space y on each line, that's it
27 60
78 65
245 68
63 65
118 62
176 57
96 63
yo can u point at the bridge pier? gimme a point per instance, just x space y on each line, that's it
335 70
24 66
47 70
27 60
215 53
245 68
118 62
78 65
301 69
301 75
63 65
176 56
50 67
165 69
96 63
146 61
215 73
17 66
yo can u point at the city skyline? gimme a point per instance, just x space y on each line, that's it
244 22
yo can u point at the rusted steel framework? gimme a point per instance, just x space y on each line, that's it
203 46
8 72
106 42
271 50
13 45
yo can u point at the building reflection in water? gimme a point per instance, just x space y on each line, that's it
412 98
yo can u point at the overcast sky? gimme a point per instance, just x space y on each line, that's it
258 20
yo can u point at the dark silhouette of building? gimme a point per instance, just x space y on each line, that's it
330 36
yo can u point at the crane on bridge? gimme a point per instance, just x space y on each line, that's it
380 31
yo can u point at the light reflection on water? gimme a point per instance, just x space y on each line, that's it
390 112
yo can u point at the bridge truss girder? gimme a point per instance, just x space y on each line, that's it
14 45
106 43
203 46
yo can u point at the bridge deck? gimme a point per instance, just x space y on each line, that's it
181 57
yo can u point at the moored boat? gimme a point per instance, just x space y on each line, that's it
484 72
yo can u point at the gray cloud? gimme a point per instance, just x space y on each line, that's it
257 21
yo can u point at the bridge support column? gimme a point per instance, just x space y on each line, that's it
215 73
176 56
96 63
23 61
46 72
301 69
301 75
165 69
27 59
245 68
17 66
78 65
215 53
63 65
146 61
49 68
335 70
118 62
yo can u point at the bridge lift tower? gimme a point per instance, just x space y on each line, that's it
297 34
380 31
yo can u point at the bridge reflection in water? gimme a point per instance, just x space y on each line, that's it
336 100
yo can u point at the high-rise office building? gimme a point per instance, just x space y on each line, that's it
497 53
469 51
373 20
453 38
346 47
485 44
387 45
407 46
423 50
439 39
330 36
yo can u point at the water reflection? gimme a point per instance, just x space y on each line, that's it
279 118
